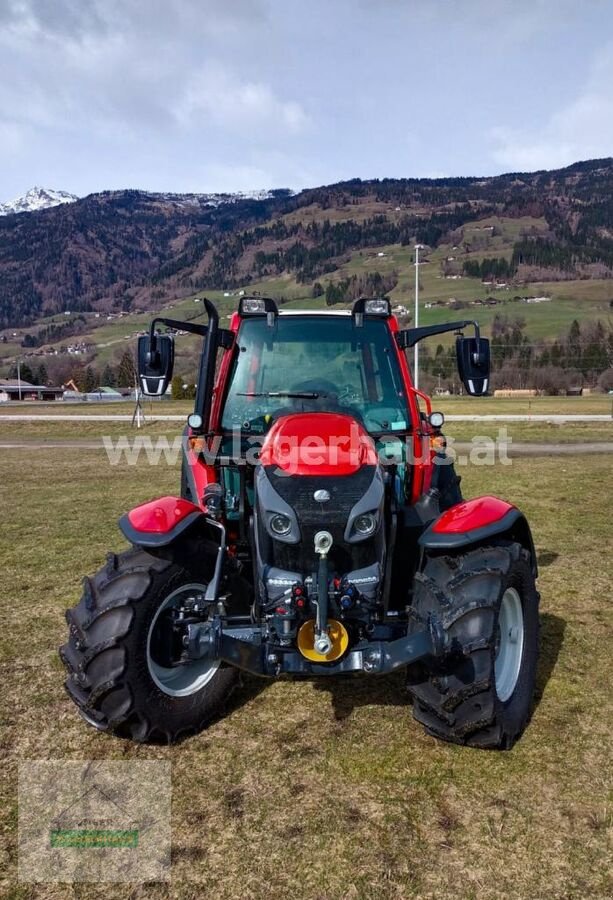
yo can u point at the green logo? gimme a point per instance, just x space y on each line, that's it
88 838
94 821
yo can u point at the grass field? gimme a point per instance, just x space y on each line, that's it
328 789
589 404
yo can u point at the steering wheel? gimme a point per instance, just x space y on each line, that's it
338 398
348 395
315 385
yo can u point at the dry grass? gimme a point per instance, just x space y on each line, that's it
94 408
590 404
328 789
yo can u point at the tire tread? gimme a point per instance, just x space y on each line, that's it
445 701
97 624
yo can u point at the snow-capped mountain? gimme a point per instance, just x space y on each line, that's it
36 198
208 199
43 198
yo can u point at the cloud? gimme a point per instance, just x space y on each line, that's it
581 129
12 137
82 19
133 67
202 94
215 93
514 21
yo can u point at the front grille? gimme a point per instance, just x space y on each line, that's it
345 491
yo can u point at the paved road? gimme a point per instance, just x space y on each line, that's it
84 417
515 449
556 419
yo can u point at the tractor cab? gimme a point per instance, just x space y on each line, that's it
318 362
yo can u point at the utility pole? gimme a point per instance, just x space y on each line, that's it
418 247
19 377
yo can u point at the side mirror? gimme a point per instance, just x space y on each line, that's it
156 358
473 357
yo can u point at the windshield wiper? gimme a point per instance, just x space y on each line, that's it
297 395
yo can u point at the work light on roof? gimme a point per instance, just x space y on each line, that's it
259 306
377 308
373 307
253 305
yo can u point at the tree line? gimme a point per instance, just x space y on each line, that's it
583 357
87 376
370 284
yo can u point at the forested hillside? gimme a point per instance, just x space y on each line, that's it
131 250
97 252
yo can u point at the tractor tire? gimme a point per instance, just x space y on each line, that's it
480 693
112 674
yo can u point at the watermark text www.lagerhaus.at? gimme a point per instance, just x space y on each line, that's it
310 450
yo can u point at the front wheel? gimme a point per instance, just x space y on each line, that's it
481 693
120 658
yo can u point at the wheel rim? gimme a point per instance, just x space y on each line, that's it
510 644
178 681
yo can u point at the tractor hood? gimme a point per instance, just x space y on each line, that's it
318 444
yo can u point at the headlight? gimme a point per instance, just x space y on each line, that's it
280 524
365 524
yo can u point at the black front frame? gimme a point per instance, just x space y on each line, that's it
246 648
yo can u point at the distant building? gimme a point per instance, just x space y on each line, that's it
101 394
23 390
516 392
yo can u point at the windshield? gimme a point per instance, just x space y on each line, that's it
315 364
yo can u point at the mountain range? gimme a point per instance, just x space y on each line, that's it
133 250
38 198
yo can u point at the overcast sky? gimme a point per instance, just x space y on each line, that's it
223 95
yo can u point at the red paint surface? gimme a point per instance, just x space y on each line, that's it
223 375
422 467
202 473
162 515
318 444
472 514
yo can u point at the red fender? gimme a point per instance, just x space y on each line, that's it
159 522
470 514
475 521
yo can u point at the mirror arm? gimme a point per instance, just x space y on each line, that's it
411 336
206 373
212 335
192 327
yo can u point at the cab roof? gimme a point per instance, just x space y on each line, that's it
314 312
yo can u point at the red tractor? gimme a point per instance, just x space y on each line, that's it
320 532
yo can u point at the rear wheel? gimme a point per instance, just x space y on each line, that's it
120 659
481 693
